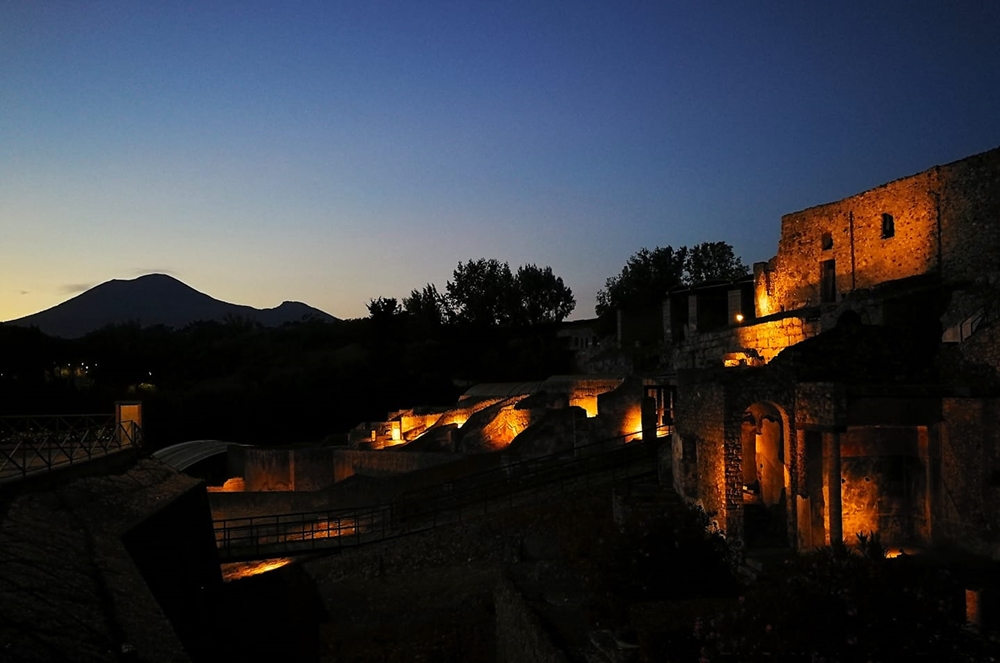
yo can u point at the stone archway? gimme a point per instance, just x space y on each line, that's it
765 455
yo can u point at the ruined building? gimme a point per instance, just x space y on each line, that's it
850 385
860 394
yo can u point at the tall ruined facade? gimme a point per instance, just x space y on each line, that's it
943 221
864 395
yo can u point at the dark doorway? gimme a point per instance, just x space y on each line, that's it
828 282
764 477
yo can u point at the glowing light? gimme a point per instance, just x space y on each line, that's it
588 403
457 418
237 570
739 317
632 424
233 485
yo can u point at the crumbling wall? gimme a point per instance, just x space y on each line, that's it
966 484
762 341
983 347
268 469
944 219
884 483
348 462
520 634
852 229
700 465
619 412
970 216
313 469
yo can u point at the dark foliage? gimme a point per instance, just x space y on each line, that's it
239 381
648 275
485 293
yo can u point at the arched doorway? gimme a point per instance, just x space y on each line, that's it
765 450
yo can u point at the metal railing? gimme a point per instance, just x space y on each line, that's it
524 483
36 444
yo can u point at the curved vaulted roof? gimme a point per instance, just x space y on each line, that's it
185 454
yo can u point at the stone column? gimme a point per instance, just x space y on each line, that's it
803 510
834 516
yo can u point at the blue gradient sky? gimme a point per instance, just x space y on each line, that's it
333 152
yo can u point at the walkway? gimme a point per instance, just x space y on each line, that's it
31 445
529 482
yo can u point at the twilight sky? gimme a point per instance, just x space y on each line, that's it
332 152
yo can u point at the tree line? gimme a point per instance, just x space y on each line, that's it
487 293
484 293
649 275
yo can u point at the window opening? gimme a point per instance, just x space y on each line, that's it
888 226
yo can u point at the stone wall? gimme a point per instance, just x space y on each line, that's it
820 404
521 638
69 588
699 463
761 342
312 469
970 216
966 483
853 230
348 462
983 347
268 469
941 220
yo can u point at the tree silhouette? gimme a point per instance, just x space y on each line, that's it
482 292
427 308
485 292
383 308
543 295
648 275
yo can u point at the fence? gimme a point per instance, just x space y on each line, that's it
35 444
523 483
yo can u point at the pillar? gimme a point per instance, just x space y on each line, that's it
833 516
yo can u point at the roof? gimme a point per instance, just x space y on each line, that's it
185 454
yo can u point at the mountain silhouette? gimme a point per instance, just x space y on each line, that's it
153 299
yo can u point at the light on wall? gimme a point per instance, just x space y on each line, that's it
739 317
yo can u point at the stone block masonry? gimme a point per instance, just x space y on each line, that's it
750 344
945 220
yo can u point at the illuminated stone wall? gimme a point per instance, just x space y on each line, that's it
946 219
884 483
762 341
699 444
